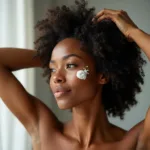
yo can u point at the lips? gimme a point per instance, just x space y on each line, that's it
61 91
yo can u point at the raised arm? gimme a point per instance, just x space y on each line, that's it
142 39
27 108
16 58
127 27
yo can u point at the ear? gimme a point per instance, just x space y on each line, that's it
103 79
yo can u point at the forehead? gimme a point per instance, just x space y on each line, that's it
66 47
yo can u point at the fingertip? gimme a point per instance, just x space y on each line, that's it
93 19
100 19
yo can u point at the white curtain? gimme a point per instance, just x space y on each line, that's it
16 30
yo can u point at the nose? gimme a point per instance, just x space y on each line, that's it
59 77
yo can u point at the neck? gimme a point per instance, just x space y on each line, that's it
90 123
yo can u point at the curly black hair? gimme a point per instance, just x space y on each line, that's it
114 55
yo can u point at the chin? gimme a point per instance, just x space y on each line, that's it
62 105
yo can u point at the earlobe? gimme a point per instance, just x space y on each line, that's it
102 79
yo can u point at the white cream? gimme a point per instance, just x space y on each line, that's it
82 74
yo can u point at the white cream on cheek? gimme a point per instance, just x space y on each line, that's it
82 74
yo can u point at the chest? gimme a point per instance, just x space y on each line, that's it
64 146
59 143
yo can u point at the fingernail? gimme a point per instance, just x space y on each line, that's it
93 19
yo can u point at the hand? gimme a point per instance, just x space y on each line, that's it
120 18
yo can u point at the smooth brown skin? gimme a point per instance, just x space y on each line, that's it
89 128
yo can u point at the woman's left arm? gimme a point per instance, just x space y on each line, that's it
127 27
142 39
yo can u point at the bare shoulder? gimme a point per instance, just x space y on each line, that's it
49 127
131 138
48 122
118 132
139 135
47 118
135 130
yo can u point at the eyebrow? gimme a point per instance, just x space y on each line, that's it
67 56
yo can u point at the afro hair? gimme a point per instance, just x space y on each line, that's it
114 55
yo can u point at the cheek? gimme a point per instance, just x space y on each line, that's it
84 88
50 83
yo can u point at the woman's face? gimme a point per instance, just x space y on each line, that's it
70 91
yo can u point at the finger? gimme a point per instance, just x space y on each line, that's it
106 11
106 16
103 12
94 19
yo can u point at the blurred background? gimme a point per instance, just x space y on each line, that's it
18 18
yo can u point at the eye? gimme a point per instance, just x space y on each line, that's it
71 66
52 70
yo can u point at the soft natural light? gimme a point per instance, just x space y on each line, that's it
16 31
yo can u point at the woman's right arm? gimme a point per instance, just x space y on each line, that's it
16 58
27 108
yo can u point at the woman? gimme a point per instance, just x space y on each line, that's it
93 69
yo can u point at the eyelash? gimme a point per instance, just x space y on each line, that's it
67 66
71 64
